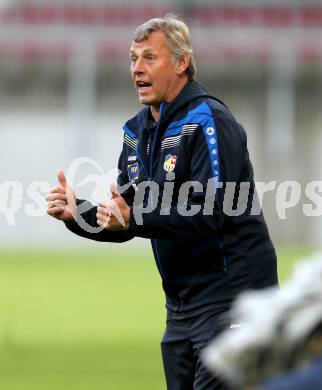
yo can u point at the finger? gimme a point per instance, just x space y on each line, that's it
103 210
100 216
57 189
100 210
116 212
56 196
103 218
54 211
114 191
58 203
102 223
102 203
62 179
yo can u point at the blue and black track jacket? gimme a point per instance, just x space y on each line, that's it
208 257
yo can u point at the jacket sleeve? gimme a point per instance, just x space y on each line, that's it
207 167
86 225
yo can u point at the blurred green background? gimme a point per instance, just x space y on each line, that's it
86 319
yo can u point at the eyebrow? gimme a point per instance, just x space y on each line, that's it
145 51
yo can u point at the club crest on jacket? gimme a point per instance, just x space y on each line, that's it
169 163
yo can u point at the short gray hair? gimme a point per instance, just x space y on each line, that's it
177 35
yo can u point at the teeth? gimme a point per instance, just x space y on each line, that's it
143 85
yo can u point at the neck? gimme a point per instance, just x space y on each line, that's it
155 109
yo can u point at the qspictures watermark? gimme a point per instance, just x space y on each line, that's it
234 199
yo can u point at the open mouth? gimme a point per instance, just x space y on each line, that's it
142 86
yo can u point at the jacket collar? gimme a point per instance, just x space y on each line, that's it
191 91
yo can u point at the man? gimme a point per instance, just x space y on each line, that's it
182 145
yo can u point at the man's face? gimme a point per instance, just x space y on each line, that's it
155 74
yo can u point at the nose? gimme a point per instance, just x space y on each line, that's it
137 67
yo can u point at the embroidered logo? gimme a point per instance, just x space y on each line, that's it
235 325
132 158
133 171
210 131
169 163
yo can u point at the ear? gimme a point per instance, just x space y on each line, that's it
183 64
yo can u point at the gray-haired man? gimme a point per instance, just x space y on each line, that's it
189 145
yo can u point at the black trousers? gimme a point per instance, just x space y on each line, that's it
182 344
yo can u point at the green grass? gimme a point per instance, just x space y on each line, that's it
288 257
85 319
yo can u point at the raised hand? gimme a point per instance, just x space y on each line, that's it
113 214
61 200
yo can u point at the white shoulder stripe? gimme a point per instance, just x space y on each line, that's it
189 127
131 142
174 141
172 138
195 125
169 141
187 131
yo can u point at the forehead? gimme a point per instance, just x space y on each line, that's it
156 41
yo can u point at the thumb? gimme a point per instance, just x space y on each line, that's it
62 179
114 191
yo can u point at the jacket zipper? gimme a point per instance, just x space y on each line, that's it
141 161
152 150
154 142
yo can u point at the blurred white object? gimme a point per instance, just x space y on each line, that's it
277 332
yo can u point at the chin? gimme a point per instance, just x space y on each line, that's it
145 100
